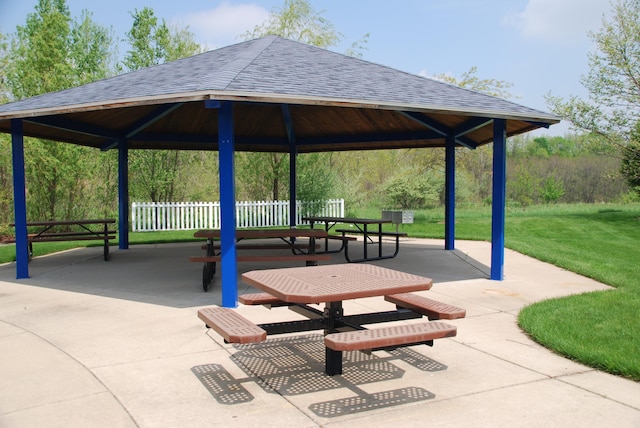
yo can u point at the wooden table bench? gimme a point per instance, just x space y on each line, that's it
86 230
299 252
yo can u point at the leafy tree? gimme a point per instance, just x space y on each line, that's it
470 80
155 172
296 20
152 42
4 60
91 50
49 53
264 176
410 189
553 146
39 60
630 167
6 187
147 40
524 187
477 162
552 190
316 181
612 108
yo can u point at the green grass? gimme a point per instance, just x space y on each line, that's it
8 252
599 329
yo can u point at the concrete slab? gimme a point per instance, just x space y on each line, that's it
93 343
43 386
549 403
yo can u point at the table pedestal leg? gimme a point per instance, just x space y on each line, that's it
333 359
333 362
312 250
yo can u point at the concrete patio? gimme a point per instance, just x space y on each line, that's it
118 344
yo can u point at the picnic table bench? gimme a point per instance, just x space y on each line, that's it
361 227
299 251
298 287
86 230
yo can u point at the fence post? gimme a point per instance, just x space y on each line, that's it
133 217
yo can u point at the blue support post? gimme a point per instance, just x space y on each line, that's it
123 194
293 209
293 158
499 198
450 194
19 199
226 149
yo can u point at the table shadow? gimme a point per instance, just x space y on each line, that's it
292 366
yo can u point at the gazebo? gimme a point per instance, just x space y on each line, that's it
268 95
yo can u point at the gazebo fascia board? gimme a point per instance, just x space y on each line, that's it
270 94
540 120
72 129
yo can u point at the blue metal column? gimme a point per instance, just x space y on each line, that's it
499 198
293 208
123 194
450 195
293 158
19 199
226 149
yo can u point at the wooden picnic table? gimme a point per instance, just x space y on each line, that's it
287 238
331 285
94 229
361 227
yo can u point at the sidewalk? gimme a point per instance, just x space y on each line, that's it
117 344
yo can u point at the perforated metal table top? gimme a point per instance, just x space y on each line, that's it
333 283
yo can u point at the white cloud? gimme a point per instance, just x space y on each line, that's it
223 25
558 21
425 73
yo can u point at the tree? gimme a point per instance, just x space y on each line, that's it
552 190
155 172
316 182
470 80
630 167
52 52
296 20
612 108
4 61
152 42
6 186
91 50
410 189
478 162
39 60
264 175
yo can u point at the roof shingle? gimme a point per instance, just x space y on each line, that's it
276 66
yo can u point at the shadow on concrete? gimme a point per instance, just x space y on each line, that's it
162 274
295 366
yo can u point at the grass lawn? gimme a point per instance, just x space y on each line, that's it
8 252
601 329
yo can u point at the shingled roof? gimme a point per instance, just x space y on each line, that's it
331 101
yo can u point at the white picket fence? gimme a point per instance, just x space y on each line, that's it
154 216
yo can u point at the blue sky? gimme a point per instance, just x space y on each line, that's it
540 46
